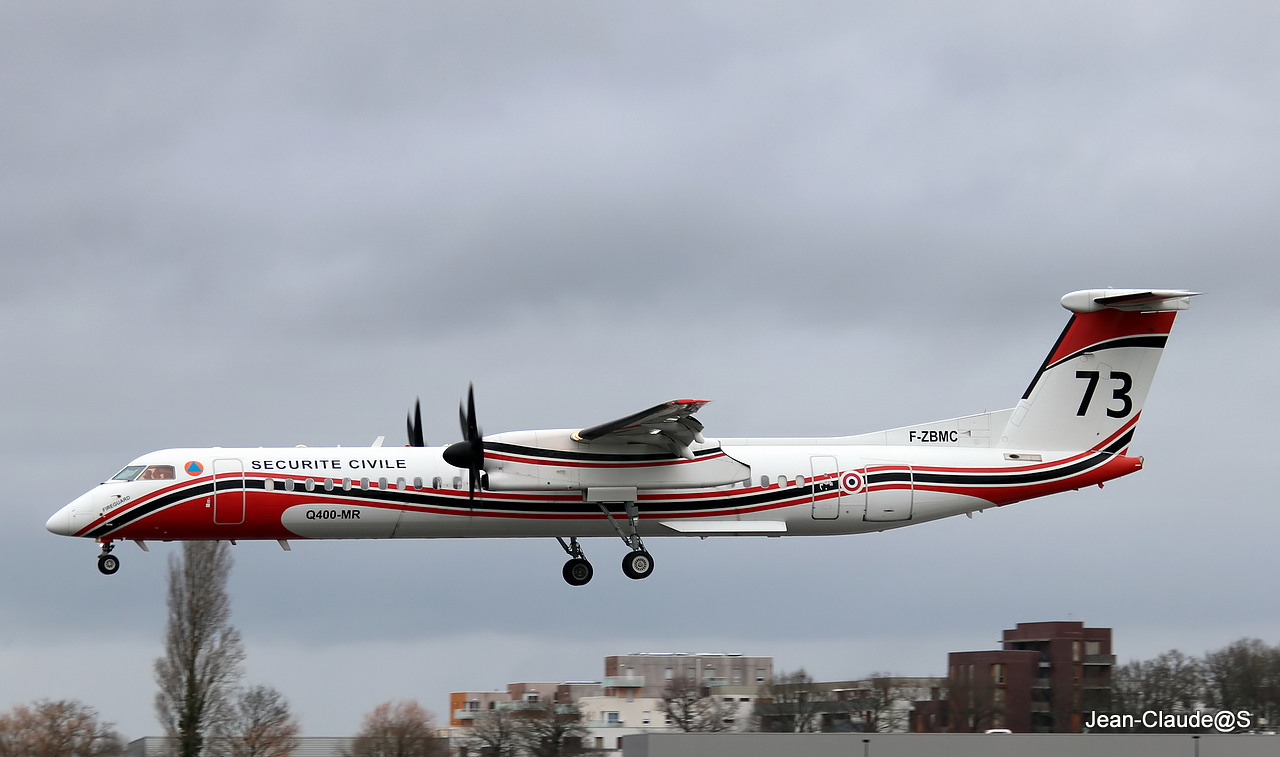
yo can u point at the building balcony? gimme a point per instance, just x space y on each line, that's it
1099 659
713 681
465 714
624 682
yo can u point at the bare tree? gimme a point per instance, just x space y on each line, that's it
57 729
691 707
550 730
397 729
887 703
201 664
495 733
262 725
1171 681
789 703
1244 675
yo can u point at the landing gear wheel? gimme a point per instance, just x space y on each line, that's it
577 572
637 564
108 564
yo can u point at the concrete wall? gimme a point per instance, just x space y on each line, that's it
946 745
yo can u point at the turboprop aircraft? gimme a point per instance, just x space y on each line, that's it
655 473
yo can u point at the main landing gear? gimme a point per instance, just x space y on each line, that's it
637 563
108 563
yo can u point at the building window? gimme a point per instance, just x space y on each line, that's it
997 673
613 718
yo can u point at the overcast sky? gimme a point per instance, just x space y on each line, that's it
276 223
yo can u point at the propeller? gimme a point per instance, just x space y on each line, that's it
468 453
414 423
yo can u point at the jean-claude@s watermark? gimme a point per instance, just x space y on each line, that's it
1223 721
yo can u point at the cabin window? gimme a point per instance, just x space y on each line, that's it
457 482
382 483
401 484
364 484
268 485
346 484
436 483
310 484
764 482
328 484
288 484
417 482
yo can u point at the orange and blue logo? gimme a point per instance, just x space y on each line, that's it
193 468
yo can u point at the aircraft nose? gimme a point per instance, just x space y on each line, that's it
60 523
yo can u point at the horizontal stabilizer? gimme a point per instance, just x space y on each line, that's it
1141 300
726 527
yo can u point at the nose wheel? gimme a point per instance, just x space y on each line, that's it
108 563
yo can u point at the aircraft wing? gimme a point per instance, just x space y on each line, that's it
670 426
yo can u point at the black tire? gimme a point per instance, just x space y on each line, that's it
108 564
577 572
637 564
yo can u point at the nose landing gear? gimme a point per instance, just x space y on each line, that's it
108 563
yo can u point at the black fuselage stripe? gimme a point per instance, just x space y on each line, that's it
605 457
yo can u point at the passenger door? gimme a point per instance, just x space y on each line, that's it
228 491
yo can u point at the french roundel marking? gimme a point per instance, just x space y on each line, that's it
852 482
193 468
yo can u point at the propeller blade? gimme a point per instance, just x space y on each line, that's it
414 423
468 453
472 430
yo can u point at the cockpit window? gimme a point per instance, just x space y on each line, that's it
145 473
157 473
129 473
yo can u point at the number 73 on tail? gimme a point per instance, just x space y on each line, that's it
655 473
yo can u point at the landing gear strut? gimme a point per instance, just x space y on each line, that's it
638 563
108 563
577 571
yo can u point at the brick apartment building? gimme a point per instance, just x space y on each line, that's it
1044 679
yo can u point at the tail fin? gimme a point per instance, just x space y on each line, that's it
1090 390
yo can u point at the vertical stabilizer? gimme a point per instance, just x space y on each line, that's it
1090 390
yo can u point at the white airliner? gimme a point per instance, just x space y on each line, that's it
654 473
